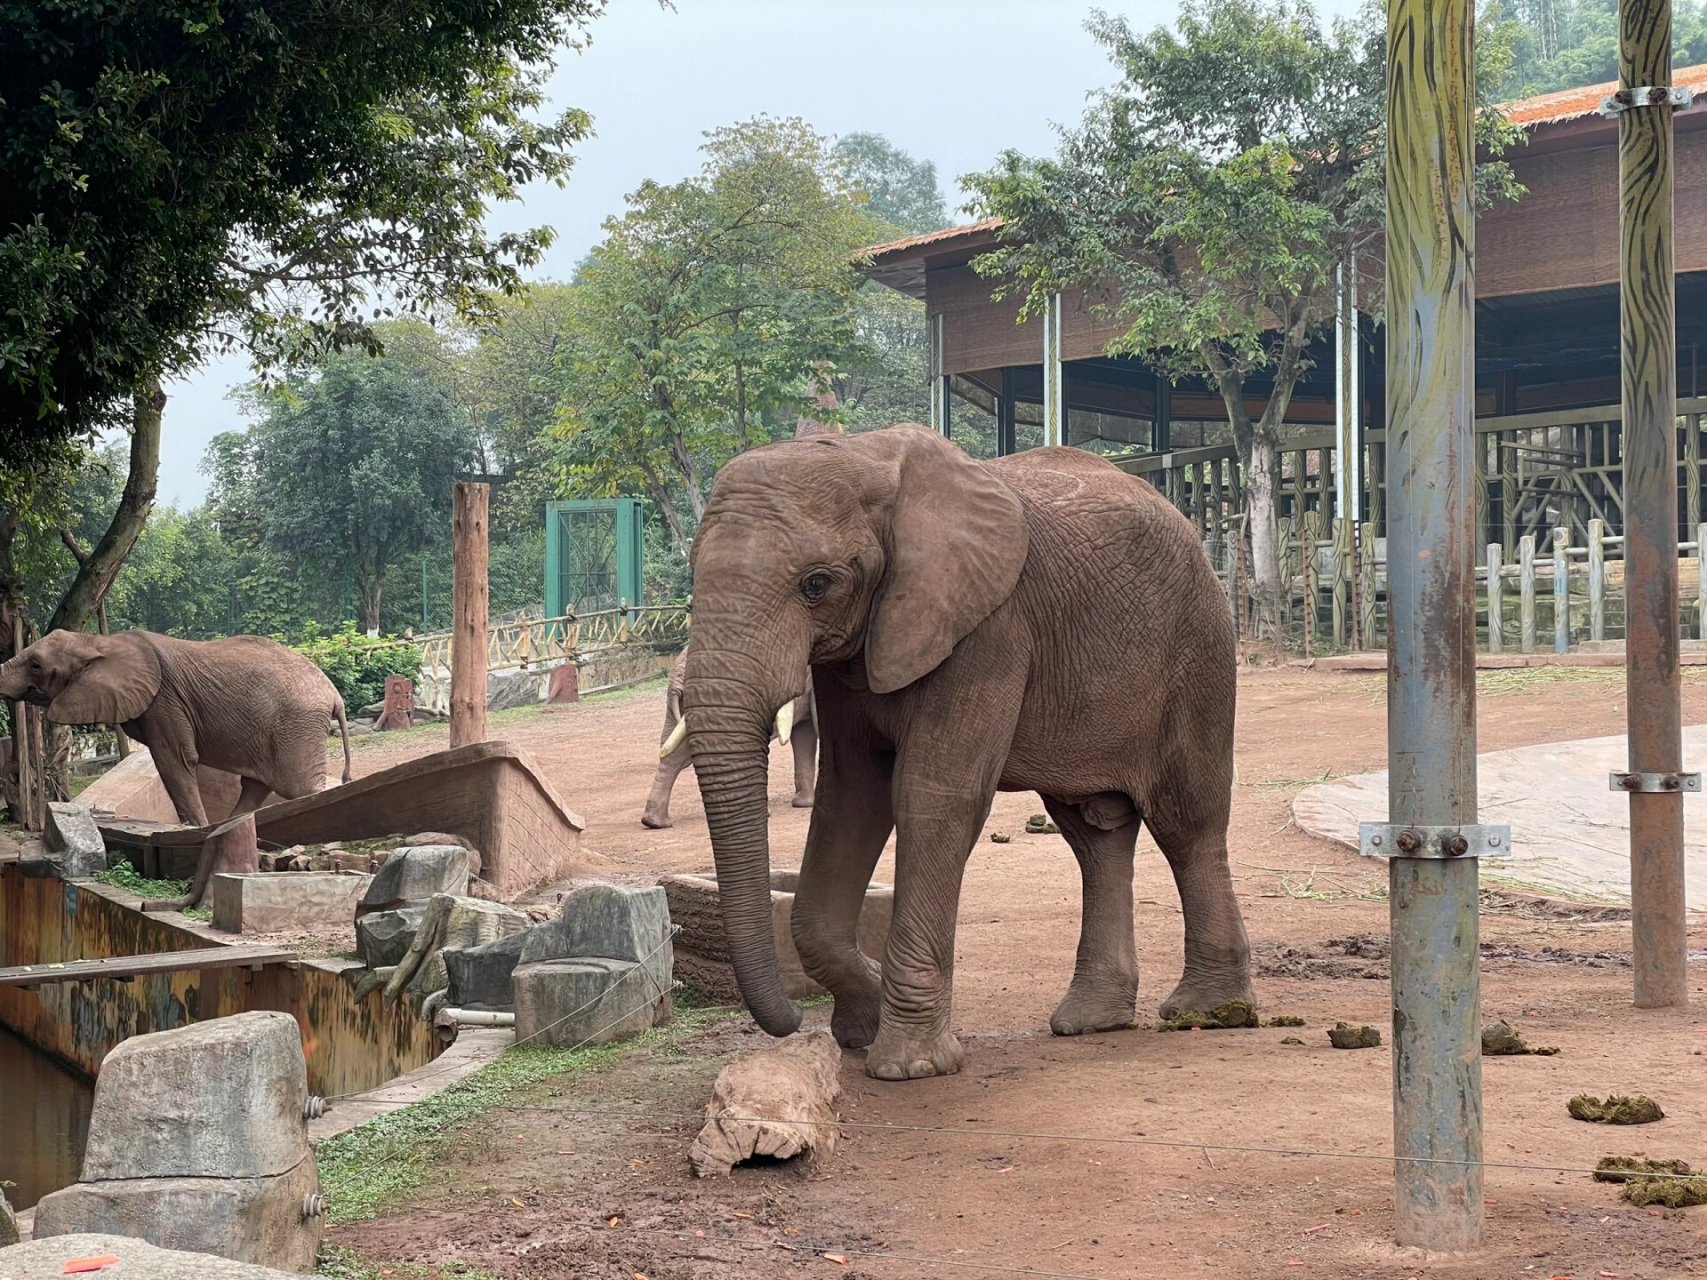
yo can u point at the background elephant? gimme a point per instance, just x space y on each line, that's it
245 705
1039 622
674 755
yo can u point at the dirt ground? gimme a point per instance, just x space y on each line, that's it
549 1190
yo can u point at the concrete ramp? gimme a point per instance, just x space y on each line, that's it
1570 835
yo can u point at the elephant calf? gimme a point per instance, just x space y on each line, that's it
244 705
1042 622
795 724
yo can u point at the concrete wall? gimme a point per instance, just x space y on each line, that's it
350 1047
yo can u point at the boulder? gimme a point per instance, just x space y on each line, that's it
412 875
571 1003
480 976
608 922
137 1260
8 1222
198 1140
777 1103
448 922
73 841
383 937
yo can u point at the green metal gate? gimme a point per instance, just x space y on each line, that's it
592 555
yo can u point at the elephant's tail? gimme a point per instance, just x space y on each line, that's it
344 732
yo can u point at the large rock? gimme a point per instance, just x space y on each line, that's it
449 922
480 976
609 922
383 937
73 841
137 1260
412 876
571 1003
216 1099
198 1140
8 1222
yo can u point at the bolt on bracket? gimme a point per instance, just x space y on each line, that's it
1413 840
1647 95
1653 783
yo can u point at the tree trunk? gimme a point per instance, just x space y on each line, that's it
96 573
741 405
370 605
1262 492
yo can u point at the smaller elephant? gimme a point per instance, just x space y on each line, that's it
244 705
796 726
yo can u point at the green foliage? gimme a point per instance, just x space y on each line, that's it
358 664
178 579
1562 44
126 877
180 166
899 189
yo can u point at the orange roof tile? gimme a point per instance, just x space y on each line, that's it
1573 104
910 243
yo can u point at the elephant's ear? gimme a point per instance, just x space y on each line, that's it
116 685
956 546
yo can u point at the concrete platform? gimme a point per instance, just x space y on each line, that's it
1570 835
282 901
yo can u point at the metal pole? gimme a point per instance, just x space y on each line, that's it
1431 837
1647 336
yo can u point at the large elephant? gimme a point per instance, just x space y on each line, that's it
1040 622
795 726
245 705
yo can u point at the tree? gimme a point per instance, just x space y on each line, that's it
177 580
1561 44
167 163
356 467
704 320
899 189
1210 224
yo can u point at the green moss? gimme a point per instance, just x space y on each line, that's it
368 1167
124 876
1342 1035
1616 1109
1226 1016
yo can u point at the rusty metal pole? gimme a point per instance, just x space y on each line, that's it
1647 340
468 614
1431 839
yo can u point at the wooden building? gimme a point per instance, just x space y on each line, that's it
1546 353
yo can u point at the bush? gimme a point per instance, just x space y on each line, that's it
358 665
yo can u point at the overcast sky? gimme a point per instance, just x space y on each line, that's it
953 81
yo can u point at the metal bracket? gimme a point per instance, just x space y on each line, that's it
1647 95
1653 783
1412 840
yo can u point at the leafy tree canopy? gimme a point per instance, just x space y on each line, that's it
1561 44
900 189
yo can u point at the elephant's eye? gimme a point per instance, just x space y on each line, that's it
35 664
814 585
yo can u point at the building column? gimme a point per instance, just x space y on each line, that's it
1054 376
938 379
1006 407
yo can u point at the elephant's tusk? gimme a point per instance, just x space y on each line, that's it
785 722
678 735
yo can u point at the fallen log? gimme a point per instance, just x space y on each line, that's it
779 1103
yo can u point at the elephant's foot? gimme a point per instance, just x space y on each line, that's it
802 800
1089 1007
1200 992
854 1019
907 1055
656 821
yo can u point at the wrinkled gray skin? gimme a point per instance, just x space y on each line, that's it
1040 622
244 705
803 740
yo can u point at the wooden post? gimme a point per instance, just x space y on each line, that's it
468 614
1340 549
1366 597
1700 582
1596 580
1526 592
1562 589
1648 362
1692 467
1496 599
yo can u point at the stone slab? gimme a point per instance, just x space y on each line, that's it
217 1099
1570 834
611 921
284 901
481 977
137 1260
412 875
383 937
73 841
571 1003
256 1220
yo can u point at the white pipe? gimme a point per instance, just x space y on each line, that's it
479 1017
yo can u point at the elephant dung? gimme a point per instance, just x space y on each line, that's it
572 1003
1501 1040
778 1103
414 874
73 841
1342 1035
198 1139
480 977
1617 1109
46 1260
383 937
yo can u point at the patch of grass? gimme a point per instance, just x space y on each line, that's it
340 1263
369 1166
1281 782
126 877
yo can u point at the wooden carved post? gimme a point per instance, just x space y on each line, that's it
1596 580
1700 583
468 614
1648 351
1562 589
1496 599
1526 592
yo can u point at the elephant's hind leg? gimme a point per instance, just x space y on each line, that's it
1104 992
656 815
251 797
1192 833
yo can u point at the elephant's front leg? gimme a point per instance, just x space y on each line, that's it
850 825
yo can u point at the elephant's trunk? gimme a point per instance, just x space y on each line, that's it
731 757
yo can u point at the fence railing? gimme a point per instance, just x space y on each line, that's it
546 642
1554 594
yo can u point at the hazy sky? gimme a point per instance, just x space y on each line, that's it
953 81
